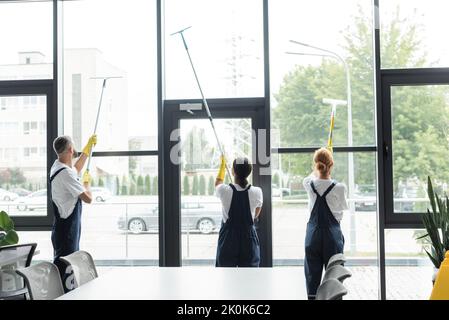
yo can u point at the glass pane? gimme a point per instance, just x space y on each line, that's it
201 210
27 40
338 71
408 269
102 47
226 45
411 34
121 225
290 216
23 168
420 117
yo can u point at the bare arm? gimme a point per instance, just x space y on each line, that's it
86 196
258 211
79 164
218 182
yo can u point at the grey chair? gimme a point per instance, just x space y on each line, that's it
14 257
83 267
337 272
337 259
331 289
43 281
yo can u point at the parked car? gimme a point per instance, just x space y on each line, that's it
100 194
34 201
202 217
6 195
277 192
366 198
21 192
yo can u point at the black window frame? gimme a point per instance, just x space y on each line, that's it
44 88
402 78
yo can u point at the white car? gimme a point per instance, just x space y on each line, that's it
6 195
100 194
34 201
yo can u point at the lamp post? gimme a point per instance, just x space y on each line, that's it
351 183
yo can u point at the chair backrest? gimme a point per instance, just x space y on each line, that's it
337 259
43 281
83 267
20 253
337 272
331 289
12 258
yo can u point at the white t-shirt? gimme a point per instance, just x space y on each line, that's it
224 193
336 199
65 188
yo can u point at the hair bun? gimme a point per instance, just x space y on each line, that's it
321 166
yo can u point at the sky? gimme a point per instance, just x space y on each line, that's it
125 31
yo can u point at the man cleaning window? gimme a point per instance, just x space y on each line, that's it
67 194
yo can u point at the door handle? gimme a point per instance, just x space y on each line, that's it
386 150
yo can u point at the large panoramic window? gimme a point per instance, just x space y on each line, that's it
226 45
26 40
321 59
23 135
419 117
411 34
121 43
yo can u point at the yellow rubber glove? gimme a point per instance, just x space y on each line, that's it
222 170
92 142
87 178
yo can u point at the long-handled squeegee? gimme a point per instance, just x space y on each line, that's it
105 79
206 105
330 139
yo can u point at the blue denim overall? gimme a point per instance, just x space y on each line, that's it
66 234
323 239
238 243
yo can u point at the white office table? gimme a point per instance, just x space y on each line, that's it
194 283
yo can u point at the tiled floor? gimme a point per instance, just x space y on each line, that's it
403 283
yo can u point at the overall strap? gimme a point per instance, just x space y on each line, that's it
329 189
314 189
232 187
56 173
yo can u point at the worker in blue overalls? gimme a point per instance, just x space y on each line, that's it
238 243
67 194
327 201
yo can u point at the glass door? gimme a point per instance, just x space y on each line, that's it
192 214
201 210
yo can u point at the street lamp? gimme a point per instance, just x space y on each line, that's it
351 183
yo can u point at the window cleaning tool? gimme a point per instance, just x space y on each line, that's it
206 105
331 129
334 103
105 79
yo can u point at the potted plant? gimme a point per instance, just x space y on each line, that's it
436 223
8 235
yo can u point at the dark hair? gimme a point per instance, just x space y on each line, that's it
242 169
61 144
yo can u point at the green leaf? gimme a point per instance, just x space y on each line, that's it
422 237
433 259
431 194
6 223
10 238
